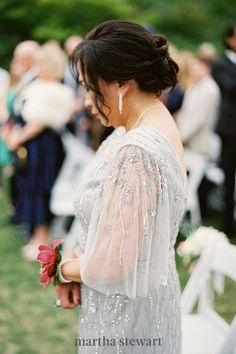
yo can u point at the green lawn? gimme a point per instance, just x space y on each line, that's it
29 324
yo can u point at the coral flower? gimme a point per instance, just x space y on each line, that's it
49 258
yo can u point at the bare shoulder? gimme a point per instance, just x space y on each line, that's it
166 125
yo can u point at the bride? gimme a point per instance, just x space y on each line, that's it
130 199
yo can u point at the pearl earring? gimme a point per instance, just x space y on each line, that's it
120 102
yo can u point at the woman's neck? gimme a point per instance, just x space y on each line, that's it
140 108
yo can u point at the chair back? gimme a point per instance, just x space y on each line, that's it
216 261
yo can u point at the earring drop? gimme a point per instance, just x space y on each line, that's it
120 102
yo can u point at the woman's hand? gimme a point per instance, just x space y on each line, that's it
69 295
13 139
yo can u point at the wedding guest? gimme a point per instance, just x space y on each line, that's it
175 97
23 62
198 114
224 72
4 86
131 197
42 107
4 155
22 72
80 121
207 52
69 46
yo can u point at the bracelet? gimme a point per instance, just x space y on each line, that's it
60 277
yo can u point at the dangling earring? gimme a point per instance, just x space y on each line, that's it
120 102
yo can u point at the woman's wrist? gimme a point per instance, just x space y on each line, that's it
60 275
70 270
69 254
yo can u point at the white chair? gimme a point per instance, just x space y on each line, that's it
78 155
196 165
206 332
229 346
214 147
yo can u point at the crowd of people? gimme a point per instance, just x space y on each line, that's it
40 98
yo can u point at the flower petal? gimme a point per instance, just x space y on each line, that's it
45 280
51 269
43 269
44 247
46 257
56 243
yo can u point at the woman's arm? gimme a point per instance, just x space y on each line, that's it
69 294
120 223
20 136
70 270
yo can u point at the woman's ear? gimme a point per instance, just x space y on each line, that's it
124 87
121 83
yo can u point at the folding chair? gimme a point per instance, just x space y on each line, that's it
206 332
196 165
78 155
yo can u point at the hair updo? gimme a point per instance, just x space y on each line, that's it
119 51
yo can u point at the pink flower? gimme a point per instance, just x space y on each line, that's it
49 257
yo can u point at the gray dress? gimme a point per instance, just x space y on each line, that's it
129 205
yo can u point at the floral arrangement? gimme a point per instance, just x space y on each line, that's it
49 258
191 249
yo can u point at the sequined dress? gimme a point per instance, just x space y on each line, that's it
129 205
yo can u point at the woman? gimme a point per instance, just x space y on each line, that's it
43 106
130 200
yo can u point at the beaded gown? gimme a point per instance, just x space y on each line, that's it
129 205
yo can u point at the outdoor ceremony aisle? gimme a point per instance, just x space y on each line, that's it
29 323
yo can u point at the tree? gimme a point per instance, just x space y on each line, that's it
186 23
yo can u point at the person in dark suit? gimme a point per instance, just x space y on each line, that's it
224 72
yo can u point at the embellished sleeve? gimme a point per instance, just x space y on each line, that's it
129 231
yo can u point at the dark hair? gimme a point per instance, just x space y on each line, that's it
229 32
120 50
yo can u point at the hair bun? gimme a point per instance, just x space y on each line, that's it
159 40
160 44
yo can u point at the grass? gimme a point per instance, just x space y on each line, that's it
225 304
29 324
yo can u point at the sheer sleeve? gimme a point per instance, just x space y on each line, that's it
128 235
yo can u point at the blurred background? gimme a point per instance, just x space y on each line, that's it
185 23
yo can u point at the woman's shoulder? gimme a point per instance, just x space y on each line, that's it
144 141
156 144
146 137
111 139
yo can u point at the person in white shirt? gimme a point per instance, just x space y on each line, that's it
199 111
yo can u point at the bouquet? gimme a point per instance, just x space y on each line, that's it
49 258
191 249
